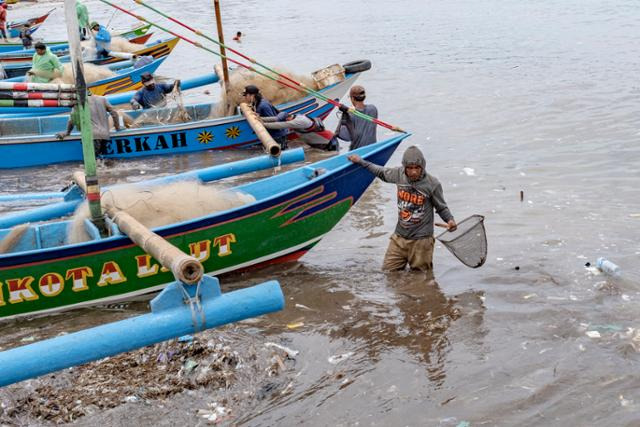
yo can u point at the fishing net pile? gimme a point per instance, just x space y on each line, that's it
159 205
92 73
173 113
118 44
271 90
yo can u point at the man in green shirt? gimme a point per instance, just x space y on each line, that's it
83 20
46 66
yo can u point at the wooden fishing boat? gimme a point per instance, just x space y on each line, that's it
290 215
157 49
126 79
201 134
10 124
21 56
16 47
14 27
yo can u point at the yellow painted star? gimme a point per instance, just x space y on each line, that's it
233 132
205 137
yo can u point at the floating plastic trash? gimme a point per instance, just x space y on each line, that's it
608 267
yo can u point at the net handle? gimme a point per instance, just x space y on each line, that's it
443 225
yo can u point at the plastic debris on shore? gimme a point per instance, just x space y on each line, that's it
215 414
337 358
153 372
290 353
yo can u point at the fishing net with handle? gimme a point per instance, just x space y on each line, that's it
468 242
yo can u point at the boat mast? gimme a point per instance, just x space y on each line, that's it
88 153
223 53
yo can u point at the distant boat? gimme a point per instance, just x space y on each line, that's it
14 27
292 212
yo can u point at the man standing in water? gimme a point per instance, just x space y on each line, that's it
352 128
418 195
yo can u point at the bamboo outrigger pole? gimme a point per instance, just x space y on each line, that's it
88 153
271 146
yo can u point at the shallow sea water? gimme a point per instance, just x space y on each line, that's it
502 97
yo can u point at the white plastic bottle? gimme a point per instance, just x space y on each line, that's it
608 267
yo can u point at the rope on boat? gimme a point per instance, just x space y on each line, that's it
298 86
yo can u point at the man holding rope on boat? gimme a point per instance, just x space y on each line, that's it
358 131
419 194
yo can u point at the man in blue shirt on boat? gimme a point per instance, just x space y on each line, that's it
264 108
152 95
103 39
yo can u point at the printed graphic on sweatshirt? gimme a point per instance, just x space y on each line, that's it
411 205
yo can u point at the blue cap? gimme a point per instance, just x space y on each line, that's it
282 116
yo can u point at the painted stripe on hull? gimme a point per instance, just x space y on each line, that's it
291 254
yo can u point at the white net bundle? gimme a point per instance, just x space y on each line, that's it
160 205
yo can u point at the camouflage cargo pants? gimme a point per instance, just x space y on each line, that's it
417 253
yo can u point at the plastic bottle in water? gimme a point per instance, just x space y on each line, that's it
608 267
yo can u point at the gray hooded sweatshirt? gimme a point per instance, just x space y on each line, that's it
416 199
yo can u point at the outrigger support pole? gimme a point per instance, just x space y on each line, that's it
88 153
178 310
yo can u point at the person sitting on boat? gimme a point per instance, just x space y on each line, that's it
100 110
103 39
3 21
301 124
152 95
25 36
260 105
46 66
352 128
418 195
83 20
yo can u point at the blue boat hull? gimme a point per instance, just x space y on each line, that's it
223 133
340 181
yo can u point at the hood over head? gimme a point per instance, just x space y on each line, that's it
413 156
